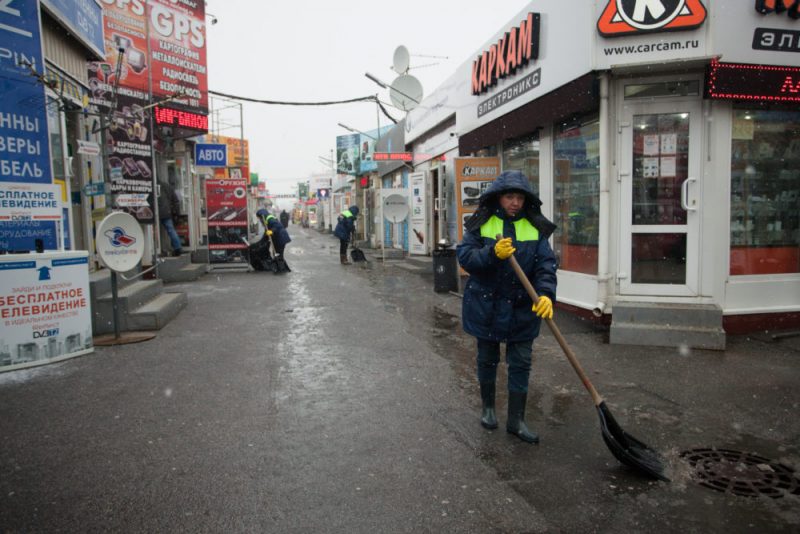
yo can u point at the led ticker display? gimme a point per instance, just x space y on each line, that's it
759 83
181 119
392 156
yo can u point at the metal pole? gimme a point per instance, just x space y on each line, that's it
115 303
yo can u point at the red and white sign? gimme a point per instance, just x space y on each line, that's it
178 53
650 16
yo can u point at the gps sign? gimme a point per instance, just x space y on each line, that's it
211 155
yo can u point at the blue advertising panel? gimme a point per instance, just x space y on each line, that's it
211 155
84 18
25 152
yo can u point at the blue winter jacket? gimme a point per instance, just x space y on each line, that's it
496 306
347 224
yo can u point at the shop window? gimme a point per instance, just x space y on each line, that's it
522 154
576 152
765 192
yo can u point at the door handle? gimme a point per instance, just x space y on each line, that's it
685 194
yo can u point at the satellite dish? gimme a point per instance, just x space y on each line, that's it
401 59
406 92
395 208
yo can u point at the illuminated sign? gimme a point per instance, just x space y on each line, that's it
392 156
514 50
761 83
182 119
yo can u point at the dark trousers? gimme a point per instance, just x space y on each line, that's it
518 361
343 247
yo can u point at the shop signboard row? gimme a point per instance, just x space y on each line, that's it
157 41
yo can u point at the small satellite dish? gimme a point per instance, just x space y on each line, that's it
406 92
401 59
395 208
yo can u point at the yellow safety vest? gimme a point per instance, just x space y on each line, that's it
523 228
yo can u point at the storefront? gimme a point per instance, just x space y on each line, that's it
72 34
663 142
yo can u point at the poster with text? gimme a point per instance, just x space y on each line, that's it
45 310
130 160
178 53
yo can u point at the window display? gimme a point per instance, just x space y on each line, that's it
765 192
577 196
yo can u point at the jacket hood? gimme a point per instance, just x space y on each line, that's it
489 203
509 181
354 210
262 213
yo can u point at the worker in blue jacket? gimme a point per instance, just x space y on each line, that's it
496 307
275 230
345 229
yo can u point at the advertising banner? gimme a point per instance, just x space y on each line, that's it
473 177
25 154
125 27
25 157
130 160
226 204
347 154
419 220
45 310
178 53
128 136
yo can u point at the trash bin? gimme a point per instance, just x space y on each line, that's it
445 269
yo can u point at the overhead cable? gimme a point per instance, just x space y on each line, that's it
370 98
285 103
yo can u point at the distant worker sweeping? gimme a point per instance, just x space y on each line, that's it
345 230
496 307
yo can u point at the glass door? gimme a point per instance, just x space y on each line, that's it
660 177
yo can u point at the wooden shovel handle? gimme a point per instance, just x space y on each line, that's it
573 360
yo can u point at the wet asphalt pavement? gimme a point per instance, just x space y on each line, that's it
343 399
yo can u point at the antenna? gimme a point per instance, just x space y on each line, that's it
406 92
401 60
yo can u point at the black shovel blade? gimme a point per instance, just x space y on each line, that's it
627 449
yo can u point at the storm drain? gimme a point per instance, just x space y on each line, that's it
741 473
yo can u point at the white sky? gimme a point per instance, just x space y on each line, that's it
316 50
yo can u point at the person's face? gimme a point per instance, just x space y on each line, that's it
512 203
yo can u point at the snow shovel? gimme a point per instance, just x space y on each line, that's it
627 449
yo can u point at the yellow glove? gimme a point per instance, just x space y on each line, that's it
503 248
544 308
269 233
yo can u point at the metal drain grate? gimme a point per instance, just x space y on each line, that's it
741 473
